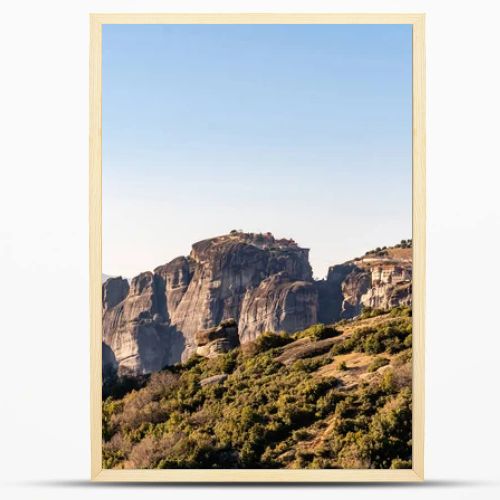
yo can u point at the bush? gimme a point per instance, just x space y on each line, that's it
269 340
368 312
400 312
377 363
397 463
317 332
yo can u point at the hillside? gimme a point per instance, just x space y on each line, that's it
335 396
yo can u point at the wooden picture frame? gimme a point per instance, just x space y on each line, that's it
267 475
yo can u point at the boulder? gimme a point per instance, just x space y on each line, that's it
211 342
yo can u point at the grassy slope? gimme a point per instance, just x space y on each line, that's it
328 397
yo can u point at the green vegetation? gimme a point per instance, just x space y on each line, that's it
267 414
384 251
369 312
378 363
317 332
405 244
377 252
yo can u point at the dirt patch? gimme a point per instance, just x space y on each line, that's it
306 348
355 371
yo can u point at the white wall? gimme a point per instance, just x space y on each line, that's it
44 428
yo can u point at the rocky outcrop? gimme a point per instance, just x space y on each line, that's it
114 292
278 304
330 293
356 284
266 281
136 331
222 270
109 364
177 276
377 282
388 296
218 340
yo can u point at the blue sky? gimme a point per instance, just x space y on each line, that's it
301 130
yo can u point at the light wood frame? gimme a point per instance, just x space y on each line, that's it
250 475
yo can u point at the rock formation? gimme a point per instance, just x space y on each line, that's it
330 293
155 323
377 280
278 304
231 289
217 340
136 331
114 292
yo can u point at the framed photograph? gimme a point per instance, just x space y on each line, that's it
257 247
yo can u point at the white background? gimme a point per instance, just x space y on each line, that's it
44 427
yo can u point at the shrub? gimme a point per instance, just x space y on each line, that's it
269 340
377 363
387 383
403 358
317 332
373 345
397 463
193 361
302 435
368 312
400 312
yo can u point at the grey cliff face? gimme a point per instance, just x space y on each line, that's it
223 270
109 363
136 330
388 296
157 321
354 287
176 275
278 304
231 289
330 293
114 292
377 283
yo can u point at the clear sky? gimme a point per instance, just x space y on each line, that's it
301 130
